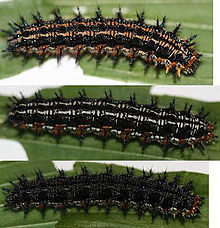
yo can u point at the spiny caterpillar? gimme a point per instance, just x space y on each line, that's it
105 36
105 189
108 117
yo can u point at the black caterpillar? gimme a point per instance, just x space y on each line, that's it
125 191
108 117
105 36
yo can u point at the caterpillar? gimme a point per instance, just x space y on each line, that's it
108 117
105 189
105 36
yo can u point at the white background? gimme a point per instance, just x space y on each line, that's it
214 192
216 43
214 178
156 166
201 93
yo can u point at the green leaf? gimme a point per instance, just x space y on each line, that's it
8 171
196 19
95 217
45 147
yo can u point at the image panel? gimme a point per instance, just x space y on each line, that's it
110 123
171 43
104 194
